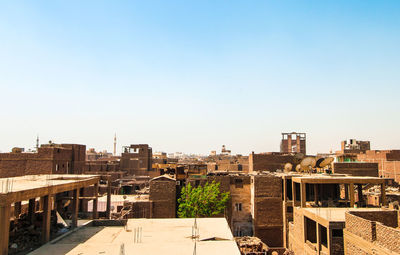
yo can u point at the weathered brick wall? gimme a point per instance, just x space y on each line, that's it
388 218
354 249
388 237
240 194
360 227
11 168
356 169
268 209
163 195
379 228
269 162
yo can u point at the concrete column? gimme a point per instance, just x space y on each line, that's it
316 193
285 195
75 208
17 209
46 219
359 193
351 193
294 193
95 201
108 212
303 194
32 210
318 237
383 194
329 237
4 228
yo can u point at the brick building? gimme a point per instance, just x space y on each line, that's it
136 159
163 197
350 150
49 159
270 161
388 162
293 143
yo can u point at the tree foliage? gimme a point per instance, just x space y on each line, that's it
202 201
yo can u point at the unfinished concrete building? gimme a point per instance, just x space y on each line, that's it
319 204
293 143
51 191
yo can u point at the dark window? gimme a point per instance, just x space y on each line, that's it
238 207
337 232
238 183
324 236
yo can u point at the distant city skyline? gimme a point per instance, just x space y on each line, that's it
190 77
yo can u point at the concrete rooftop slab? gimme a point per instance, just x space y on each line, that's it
159 236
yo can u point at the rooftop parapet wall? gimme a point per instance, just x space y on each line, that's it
375 226
356 169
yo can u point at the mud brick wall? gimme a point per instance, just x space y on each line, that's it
240 194
360 227
163 196
269 162
387 218
388 237
268 209
356 169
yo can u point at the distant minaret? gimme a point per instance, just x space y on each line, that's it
37 142
115 144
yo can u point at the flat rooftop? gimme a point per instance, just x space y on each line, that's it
330 215
21 188
337 178
159 236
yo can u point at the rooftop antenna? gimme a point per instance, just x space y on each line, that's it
115 144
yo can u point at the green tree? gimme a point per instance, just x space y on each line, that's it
202 201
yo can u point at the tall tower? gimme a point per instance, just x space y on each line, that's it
115 144
37 142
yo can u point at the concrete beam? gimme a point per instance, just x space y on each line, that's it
303 193
95 201
75 208
351 193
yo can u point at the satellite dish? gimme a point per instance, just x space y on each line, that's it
319 161
288 167
298 168
326 161
299 156
307 163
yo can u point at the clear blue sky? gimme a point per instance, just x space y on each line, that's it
190 76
